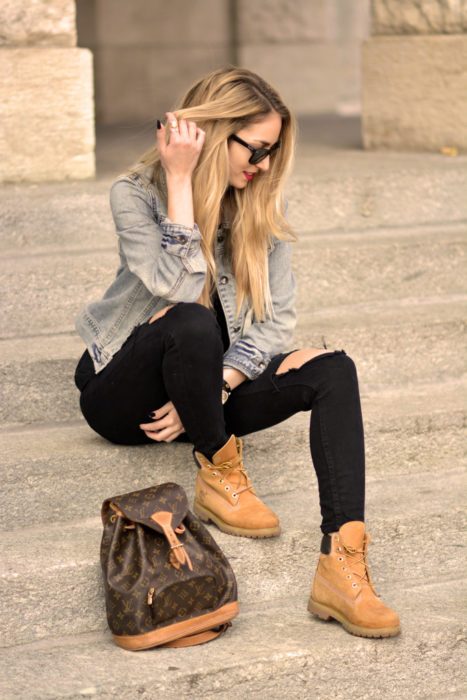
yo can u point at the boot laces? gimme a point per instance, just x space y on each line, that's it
236 466
357 560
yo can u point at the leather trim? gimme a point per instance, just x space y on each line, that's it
326 544
200 638
178 630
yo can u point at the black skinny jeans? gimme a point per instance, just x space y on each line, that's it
179 358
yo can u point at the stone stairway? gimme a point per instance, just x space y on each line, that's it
381 269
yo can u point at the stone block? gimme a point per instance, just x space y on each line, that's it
415 17
154 79
280 21
158 23
37 23
415 93
47 114
306 75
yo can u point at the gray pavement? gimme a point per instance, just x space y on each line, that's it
380 264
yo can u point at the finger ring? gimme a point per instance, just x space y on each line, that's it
174 124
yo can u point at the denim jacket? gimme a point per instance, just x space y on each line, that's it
162 263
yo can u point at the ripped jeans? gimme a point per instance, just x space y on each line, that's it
179 358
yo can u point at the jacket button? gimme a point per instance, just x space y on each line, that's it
220 239
224 279
236 329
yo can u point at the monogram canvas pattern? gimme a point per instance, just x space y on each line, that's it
144 589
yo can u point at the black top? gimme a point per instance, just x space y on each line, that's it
85 369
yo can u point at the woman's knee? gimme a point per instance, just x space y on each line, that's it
307 356
192 320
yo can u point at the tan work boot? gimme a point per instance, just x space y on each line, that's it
342 588
225 495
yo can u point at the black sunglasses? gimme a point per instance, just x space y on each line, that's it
257 154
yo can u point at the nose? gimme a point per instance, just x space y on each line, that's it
263 164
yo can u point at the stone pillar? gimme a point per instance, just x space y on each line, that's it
46 94
414 93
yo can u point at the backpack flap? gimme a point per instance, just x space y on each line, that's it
161 508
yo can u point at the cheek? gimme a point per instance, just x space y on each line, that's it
237 161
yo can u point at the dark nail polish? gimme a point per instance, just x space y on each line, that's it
159 124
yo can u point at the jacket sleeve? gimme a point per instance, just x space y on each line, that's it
264 339
166 256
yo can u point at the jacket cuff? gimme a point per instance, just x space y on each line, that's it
178 239
247 358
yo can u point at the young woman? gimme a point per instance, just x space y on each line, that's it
190 340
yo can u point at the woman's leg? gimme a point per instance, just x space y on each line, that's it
326 384
176 358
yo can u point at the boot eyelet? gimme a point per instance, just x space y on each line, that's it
354 585
344 568
340 558
214 473
221 481
348 576
235 495
227 488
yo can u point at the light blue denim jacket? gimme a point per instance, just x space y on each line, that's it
162 263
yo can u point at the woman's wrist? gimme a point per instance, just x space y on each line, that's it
233 377
180 199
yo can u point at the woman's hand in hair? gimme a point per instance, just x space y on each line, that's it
179 148
166 426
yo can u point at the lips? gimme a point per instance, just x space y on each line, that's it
248 176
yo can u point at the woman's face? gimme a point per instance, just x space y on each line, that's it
261 134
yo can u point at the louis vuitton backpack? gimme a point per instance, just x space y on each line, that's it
166 580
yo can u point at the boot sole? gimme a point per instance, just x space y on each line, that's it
325 613
207 517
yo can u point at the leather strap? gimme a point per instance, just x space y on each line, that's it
200 638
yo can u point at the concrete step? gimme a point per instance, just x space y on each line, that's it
331 269
272 650
52 573
328 191
392 344
405 433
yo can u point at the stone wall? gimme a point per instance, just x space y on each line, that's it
46 96
148 52
415 76
310 49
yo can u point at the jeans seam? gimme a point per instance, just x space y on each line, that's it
332 477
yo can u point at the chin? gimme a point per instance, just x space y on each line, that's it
240 184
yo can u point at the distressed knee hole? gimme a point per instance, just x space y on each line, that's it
297 359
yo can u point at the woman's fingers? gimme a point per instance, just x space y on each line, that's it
166 435
166 426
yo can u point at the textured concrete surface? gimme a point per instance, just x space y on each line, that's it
272 651
408 100
46 134
54 568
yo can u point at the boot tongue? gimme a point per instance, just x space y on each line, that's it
352 534
227 453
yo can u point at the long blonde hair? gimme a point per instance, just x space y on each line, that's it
222 103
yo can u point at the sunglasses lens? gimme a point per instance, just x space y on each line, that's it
259 155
